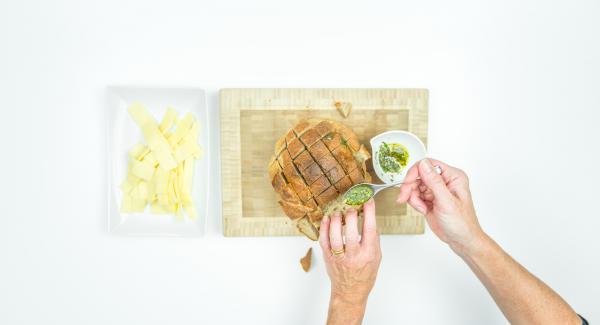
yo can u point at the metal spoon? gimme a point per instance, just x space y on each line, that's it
376 188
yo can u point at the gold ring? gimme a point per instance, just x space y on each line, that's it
337 252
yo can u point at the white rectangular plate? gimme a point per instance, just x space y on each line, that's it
123 133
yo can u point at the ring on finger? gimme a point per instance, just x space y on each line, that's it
338 252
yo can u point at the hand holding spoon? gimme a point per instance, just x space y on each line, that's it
361 193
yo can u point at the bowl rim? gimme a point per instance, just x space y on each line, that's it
398 132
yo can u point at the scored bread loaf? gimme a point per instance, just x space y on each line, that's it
314 163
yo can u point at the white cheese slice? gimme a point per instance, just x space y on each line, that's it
168 120
143 169
155 139
183 127
160 172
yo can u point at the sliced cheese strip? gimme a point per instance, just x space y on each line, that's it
140 115
183 127
185 150
161 181
163 200
179 181
173 199
139 205
139 153
136 151
141 192
126 187
192 139
151 191
144 154
149 158
192 134
194 131
142 169
188 175
129 183
158 208
126 204
160 147
156 141
168 120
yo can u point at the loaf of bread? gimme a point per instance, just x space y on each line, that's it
314 163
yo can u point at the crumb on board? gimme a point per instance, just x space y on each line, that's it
306 260
344 108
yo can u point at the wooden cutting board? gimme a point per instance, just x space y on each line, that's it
253 119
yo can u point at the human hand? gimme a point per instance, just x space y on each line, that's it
354 271
446 202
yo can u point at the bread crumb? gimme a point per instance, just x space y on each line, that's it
306 260
343 108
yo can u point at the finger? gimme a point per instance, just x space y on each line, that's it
335 232
417 203
434 182
456 179
324 235
449 173
427 196
422 188
369 234
412 175
410 181
427 191
447 170
351 231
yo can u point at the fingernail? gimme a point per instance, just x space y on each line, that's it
420 209
426 165
325 218
350 210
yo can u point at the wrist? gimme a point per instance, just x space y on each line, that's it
346 299
344 309
476 242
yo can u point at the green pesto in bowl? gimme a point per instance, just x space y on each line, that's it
392 157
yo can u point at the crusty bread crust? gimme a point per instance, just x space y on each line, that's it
315 162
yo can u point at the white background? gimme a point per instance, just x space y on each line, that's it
514 101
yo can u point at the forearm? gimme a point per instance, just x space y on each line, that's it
522 297
345 311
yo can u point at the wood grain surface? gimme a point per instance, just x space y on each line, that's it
253 119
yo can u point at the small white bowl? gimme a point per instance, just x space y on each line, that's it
414 145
